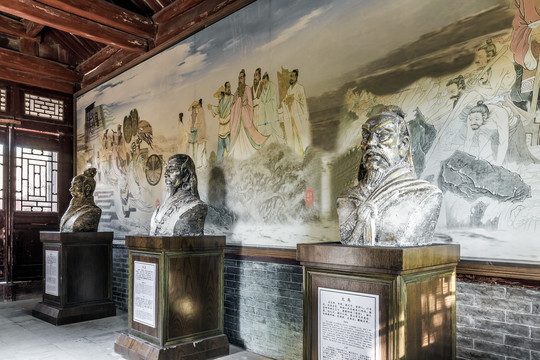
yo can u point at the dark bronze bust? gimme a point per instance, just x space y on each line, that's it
389 206
183 212
82 214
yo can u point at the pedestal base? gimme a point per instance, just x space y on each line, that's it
77 277
412 290
137 349
58 316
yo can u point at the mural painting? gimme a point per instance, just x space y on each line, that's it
270 101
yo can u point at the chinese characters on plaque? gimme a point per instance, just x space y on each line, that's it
51 272
348 325
144 293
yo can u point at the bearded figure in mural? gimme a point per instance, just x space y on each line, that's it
296 115
183 212
245 138
82 214
389 206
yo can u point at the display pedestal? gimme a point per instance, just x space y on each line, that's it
77 277
175 298
388 303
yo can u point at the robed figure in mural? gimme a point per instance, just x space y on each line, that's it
389 206
223 112
296 115
82 213
245 139
183 212
268 119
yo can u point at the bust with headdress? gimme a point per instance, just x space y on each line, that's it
83 214
183 212
389 206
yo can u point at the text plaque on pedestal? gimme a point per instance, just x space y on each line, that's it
348 325
144 293
51 272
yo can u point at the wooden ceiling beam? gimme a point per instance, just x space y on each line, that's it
110 65
74 24
12 27
108 14
69 42
33 79
32 28
95 60
196 18
19 61
176 8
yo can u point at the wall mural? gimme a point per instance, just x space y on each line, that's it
269 103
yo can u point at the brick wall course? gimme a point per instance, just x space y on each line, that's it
499 322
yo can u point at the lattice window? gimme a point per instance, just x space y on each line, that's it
3 99
36 180
44 107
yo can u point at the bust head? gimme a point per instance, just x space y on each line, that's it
384 144
180 175
182 213
82 213
83 186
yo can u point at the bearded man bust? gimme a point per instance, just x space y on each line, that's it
183 212
389 206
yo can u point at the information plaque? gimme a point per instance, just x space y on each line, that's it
51 272
144 293
348 325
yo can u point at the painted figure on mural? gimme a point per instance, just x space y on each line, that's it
182 212
496 134
182 144
82 214
495 73
296 115
245 138
256 93
389 206
268 118
223 112
198 137
525 45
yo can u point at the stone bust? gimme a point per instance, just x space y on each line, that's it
389 206
183 212
82 214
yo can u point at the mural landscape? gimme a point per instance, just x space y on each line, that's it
270 101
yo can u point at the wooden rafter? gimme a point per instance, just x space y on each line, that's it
175 9
40 66
108 14
74 24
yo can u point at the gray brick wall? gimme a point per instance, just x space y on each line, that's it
497 322
120 275
263 307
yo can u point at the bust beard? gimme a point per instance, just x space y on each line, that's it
374 176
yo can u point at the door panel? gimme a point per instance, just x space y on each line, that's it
39 165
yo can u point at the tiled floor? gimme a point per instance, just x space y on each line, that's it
24 337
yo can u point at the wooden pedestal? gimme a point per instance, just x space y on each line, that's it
175 298
77 277
414 288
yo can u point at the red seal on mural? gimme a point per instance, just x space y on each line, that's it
309 197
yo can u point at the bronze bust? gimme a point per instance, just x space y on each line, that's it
182 213
389 206
82 214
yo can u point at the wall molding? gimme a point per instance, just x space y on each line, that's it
466 266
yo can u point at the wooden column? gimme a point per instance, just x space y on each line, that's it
77 277
413 288
175 298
